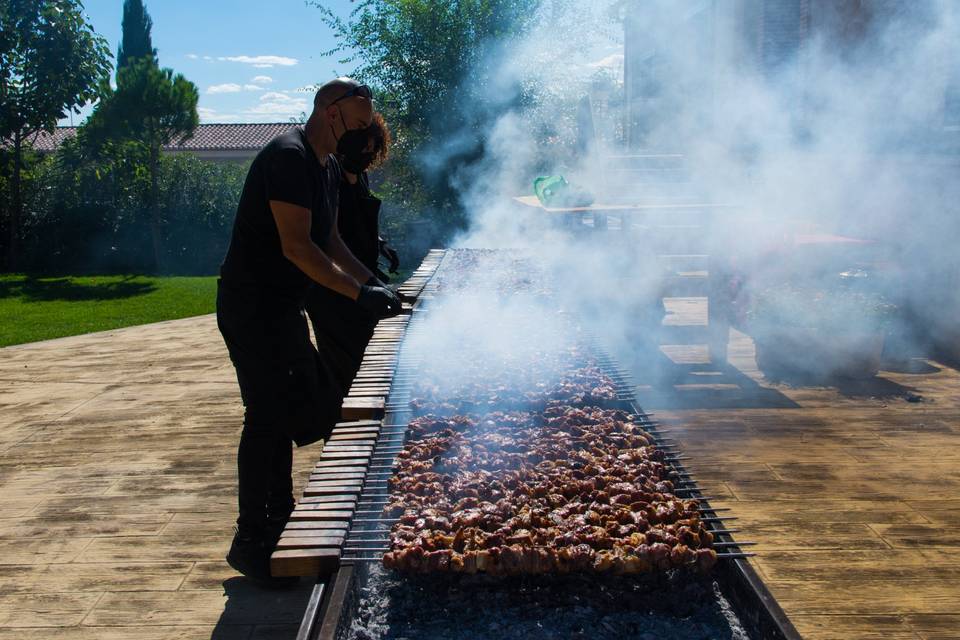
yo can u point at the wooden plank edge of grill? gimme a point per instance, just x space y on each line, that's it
308 544
304 562
363 408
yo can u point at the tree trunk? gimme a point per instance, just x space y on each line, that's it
155 209
16 208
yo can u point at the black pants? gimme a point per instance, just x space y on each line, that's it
285 396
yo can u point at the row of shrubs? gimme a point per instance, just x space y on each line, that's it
89 214
86 214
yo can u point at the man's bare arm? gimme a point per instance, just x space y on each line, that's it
293 224
340 253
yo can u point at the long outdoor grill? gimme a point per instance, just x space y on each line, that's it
453 481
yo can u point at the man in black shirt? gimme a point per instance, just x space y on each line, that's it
285 238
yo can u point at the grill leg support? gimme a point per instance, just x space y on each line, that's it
311 615
334 604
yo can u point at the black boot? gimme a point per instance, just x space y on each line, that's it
250 556
280 505
275 525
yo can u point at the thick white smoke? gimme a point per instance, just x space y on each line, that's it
849 133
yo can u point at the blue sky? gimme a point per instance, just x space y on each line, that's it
249 59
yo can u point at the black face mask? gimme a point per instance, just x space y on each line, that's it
355 163
351 146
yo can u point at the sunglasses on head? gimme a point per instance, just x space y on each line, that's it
359 91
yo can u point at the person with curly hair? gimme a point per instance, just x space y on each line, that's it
341 327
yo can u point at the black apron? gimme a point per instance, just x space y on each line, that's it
341 328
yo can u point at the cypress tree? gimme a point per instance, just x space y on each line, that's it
136 41
150 106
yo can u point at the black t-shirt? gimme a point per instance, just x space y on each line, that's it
286 170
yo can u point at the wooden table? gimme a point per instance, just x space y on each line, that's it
677 234
599 213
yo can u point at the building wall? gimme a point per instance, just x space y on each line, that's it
653 83
762 38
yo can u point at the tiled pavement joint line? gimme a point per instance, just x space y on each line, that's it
91 609
44 425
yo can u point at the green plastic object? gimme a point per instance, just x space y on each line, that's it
549 188
555 191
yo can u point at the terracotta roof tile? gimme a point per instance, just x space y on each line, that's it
51 142
233 136
207 137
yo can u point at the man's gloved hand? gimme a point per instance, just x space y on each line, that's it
390 254
403 297
378 300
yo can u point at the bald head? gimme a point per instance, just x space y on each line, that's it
334 90
339 105
349 95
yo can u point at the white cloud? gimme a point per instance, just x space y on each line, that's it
262 62
269 106
228 87
273 96
231 87
192 56
277 106
212 115
279 110
261 80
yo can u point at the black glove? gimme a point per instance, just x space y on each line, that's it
378 300
403 297
390 254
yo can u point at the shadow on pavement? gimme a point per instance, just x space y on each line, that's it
666 384
272 613
33 289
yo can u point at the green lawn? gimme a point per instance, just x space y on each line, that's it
40 308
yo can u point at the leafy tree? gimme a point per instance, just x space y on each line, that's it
51 62
150 106
430 62
136 41
153 107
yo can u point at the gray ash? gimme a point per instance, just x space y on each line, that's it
677 605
